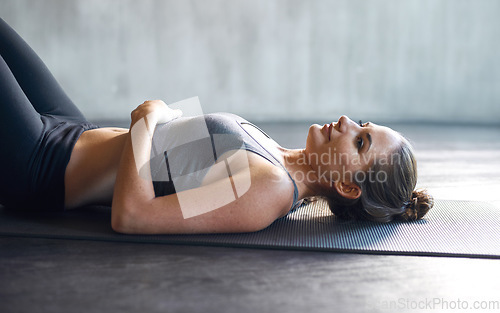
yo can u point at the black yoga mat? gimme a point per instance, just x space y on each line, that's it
451 228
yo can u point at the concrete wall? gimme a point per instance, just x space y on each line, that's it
392 60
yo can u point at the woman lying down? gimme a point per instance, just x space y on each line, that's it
172 174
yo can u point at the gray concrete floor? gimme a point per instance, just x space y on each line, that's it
456 162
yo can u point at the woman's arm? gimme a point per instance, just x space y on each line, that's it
135 209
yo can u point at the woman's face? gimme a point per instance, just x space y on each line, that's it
337 151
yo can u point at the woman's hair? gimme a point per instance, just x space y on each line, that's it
389 193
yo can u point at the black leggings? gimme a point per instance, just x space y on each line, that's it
39 126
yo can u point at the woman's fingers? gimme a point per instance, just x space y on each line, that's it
155 110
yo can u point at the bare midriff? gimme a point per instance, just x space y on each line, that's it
91 172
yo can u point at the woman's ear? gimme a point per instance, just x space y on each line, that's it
348 190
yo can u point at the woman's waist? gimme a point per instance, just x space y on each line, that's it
93 164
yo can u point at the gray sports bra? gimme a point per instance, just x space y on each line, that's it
184 149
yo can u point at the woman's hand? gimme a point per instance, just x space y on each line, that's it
155 112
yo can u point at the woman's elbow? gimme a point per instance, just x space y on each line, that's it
122 219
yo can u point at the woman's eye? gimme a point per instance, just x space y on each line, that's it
363 124
359 143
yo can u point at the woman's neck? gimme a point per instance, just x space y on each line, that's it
297 164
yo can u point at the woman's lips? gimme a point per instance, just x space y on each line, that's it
327 129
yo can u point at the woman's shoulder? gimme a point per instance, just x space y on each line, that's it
272 182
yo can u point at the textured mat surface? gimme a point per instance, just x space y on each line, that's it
452 228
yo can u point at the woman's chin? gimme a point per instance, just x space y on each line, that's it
314 138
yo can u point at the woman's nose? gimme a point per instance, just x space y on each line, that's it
344 122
